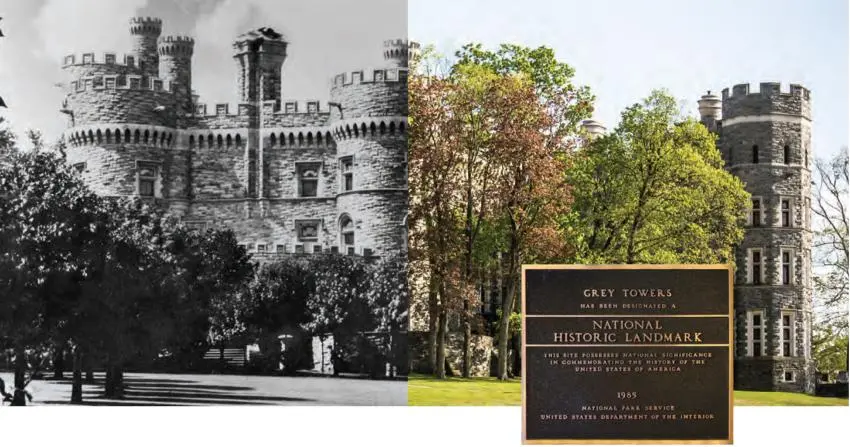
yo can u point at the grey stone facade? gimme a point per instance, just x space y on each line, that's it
765 139
288 177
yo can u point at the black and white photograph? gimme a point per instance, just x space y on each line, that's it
203 202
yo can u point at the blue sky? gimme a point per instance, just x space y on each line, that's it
326 37
623 49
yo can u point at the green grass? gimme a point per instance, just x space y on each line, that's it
778 398
479 391
428 391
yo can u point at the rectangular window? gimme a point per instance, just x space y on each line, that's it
351 251
147 177
308 180
756 214
317 249
307 230
261 248
787 267
755 270
786 335
299 248
345 167
755 333
80 167
281 248
788 376
786 212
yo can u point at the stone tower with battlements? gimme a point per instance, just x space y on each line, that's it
765 140
289 177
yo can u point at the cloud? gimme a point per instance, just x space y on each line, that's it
72 26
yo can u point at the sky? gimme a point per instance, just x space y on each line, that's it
325 37
623 49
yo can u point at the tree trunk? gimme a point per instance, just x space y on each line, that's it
114 386
19 397
88 361
77 385
59 361
433 324
507 309
466 364
442 329
516 342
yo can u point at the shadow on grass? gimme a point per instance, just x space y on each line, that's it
168 392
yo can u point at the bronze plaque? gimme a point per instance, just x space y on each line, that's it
627 353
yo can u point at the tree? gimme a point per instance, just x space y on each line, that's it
336 304
829 206
830 255
277 303
389 302
47 216
654 191
433 223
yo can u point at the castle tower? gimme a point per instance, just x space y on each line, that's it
371 134
175 66
766 140
710 106
260 55
145 32
594 128
397 52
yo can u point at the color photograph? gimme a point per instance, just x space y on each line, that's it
651 132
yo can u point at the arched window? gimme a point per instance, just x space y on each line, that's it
229 140
117 135
318 138
147 136
309 138
346 234
786 154
272 140
755 153
220 140
239 140
292 139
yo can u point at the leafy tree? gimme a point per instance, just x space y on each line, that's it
654 191
829 349
336 304
389 302
47 218
277 303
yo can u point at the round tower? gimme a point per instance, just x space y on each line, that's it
594 128
398 52
145 32
122 123
710 106
766 139
370 130
175 66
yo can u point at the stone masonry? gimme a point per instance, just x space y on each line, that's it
286 176
765 139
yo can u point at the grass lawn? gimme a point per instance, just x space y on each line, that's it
479 391
427 391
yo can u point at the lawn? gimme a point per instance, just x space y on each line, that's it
427 391
479 391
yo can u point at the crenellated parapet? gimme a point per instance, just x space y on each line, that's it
769 99
398 52
106 58
369 76
119 82
175 46
145 25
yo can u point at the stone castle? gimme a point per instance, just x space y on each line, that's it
765 139
286 176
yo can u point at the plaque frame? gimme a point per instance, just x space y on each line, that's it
730 268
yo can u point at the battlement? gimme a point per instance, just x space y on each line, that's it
766 89
398 51
145 25
769 99
120 82
108 58
285 107
367 76
175 46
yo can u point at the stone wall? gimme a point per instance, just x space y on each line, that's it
483 351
